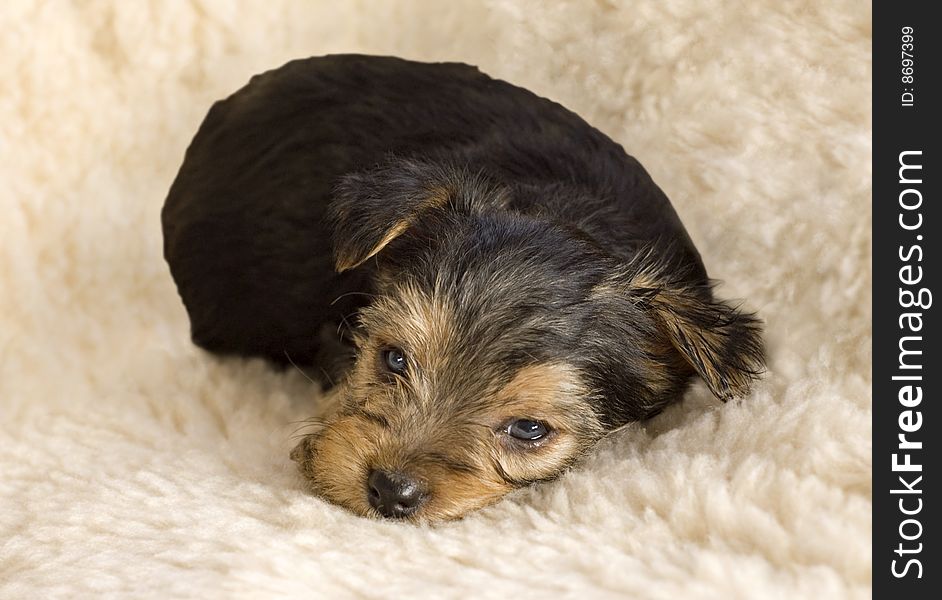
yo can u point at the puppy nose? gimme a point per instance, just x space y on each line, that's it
394 495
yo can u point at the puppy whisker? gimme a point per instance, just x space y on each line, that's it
341 296
311 420
295 365
313 426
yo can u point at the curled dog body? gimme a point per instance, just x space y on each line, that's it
507 284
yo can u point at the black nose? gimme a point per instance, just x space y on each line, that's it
394 495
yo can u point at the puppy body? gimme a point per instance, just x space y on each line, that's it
343 210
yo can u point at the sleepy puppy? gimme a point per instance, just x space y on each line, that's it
492 283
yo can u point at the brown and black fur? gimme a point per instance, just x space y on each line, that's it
526 264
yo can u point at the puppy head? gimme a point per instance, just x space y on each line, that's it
498 347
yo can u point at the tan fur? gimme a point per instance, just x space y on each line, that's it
393 233
437 197
701 347
554 394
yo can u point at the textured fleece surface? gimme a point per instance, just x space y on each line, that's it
132 464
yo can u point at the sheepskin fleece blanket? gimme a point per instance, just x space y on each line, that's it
134 465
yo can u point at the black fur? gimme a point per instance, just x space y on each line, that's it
541 225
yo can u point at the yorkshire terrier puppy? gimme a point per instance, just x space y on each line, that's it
492 283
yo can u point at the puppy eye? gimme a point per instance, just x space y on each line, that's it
527 430
394 359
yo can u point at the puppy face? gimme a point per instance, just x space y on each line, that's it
498 348
464 386
461 422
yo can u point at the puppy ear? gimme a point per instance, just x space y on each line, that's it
721 343
372 208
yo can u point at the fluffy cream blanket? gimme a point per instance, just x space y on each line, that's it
132 464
